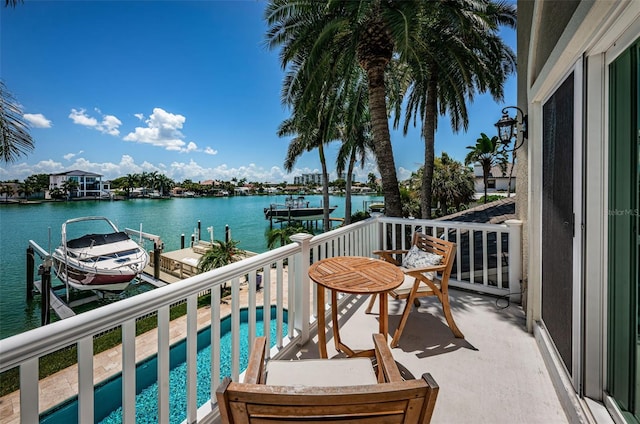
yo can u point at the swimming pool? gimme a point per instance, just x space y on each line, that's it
108 395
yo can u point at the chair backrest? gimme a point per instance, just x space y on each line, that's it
444 248
410 401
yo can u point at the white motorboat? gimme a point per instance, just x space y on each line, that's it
106 260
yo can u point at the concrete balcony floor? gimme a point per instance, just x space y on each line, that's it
495 375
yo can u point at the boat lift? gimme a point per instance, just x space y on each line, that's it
50 299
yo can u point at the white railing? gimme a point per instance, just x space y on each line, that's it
488 256
288 276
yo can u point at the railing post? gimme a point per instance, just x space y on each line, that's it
302 301
515 259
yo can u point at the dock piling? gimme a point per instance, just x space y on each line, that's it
45 272
157 251
31 263
182 241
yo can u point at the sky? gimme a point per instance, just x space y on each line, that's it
185 88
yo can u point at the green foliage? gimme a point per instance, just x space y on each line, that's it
57 194
282 236
410 201
487 153
490 198
220 254
453 184
15 139
360 216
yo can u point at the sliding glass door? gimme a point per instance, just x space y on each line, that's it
623 232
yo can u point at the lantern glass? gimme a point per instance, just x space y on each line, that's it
506 128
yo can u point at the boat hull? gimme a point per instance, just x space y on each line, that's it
81 279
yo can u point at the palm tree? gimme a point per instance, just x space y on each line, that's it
220 254
312 124
26 188
282 236
355 133
7 190
487 154
324 41
459 54
306 138
164 184
69 186
14 132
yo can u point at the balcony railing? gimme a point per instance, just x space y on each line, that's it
488 260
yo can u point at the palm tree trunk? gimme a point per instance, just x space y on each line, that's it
513 162
347 200
325 190
382 140
428 132
485 176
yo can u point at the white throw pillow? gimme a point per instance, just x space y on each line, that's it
416 258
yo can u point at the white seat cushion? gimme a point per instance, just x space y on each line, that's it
321 372
407 285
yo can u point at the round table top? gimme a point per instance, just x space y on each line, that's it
356 274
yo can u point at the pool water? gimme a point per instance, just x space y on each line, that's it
108 395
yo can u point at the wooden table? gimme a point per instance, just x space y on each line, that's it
355 275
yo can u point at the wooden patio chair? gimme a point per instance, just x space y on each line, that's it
425 275
344 390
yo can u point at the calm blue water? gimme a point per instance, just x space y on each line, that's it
108 396
166 218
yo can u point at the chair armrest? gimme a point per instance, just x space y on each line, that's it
387 368
255 368
432 395
411 271
386 255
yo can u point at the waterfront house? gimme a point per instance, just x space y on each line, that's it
567 355
89 184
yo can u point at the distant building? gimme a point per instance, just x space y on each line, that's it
89 183
498 179
307 179
343 176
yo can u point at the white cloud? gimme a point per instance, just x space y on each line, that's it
162 130
81 118
108 125
70 156
177 171
208 150
37 120
404 174
140 116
